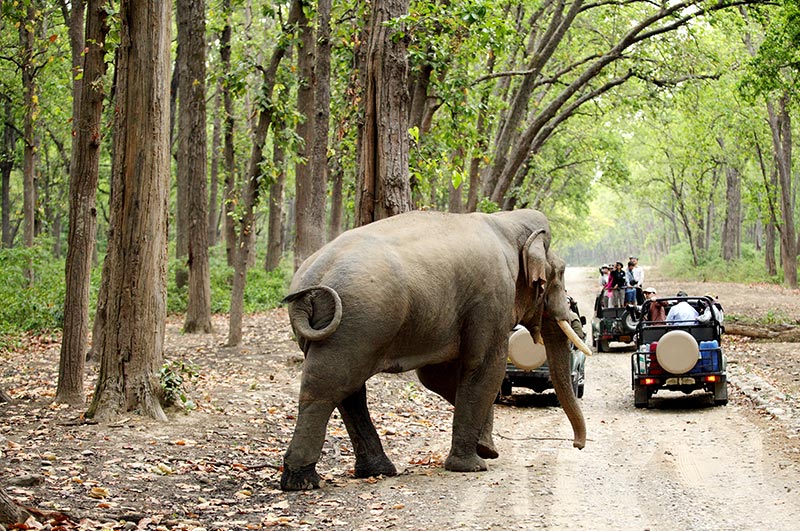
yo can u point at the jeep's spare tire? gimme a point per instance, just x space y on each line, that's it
677 351
523 352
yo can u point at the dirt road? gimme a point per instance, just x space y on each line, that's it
683 464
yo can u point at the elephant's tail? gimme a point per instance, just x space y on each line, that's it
314 305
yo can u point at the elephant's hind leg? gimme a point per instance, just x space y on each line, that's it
371 460
442 379
322 389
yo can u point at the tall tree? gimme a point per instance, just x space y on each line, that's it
313 101
82 211
192 160
250 188
382 185
213 194
229 123
27 38
131 353
7 150
74 14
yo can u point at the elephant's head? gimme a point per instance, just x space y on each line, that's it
542 307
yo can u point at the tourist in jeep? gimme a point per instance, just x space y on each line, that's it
683 312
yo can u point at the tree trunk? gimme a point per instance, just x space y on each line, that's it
6 165
181 221
275 227
382 186
192 160
82 211
732 228
131 353
337 202
250 188
780 124
27 40
229 165
313 101
213 196
10 512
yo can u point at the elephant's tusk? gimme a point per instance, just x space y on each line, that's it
572 336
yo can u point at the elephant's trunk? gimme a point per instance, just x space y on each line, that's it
307 308
559 360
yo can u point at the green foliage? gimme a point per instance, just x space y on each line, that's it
26 307
176 377
776 65
264 290
748 269
40 307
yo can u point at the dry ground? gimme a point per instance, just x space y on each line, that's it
216 467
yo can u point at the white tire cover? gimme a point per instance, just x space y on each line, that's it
677 351
523 352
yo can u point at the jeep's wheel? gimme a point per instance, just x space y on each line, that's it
603 346
505 388
629 322
641 397
721 393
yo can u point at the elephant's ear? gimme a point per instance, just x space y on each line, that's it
534 258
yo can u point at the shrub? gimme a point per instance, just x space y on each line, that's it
37 306
264 290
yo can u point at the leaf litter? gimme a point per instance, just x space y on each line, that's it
217 466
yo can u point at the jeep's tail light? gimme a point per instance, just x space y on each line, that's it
649 381
711 378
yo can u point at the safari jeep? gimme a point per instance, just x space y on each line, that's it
679 356
614 324
527 362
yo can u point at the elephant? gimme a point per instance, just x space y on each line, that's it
433 292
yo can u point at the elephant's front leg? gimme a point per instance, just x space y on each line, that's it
371 460
443 379
478 386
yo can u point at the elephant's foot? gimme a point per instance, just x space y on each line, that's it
374 466
459 463
487 449
304 478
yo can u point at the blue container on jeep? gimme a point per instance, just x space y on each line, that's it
709 357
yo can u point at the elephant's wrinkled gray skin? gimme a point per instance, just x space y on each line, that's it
429 291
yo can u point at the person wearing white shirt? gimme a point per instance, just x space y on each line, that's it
638 272
683 312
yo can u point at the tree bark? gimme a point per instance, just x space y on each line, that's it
82 211
6 165
275 225
228 161
732 226
131 352
382 185
313 102
10 512
213 195
337 201
192 160
27 40
780 125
